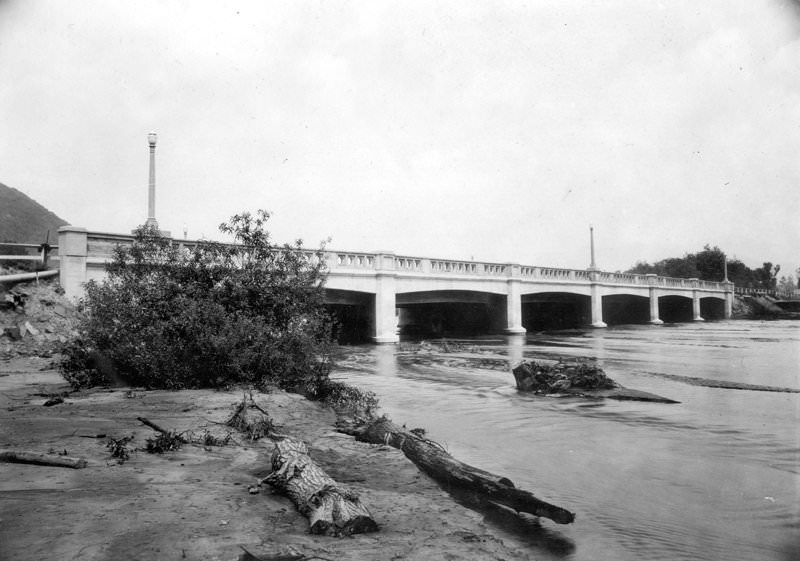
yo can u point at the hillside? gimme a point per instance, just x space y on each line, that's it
23 220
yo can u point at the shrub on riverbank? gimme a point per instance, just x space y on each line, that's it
213 315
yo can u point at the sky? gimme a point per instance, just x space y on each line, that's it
485 130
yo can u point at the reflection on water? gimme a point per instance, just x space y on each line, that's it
713 477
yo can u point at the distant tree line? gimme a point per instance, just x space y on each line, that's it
709 264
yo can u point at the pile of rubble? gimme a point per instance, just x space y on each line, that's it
546 379
35 319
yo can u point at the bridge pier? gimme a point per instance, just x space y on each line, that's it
696 302
654 313
728 300
385 301
597 302
514 304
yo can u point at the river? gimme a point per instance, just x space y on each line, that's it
716 476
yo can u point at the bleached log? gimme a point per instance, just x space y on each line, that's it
330 508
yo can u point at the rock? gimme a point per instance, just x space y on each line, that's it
30 329
12 333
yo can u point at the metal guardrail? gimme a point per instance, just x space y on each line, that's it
745 291
30 252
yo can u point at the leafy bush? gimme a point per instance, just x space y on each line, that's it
345 398
210 315
78 366
164 442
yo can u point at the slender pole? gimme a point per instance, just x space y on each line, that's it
592 266
151 193
726 269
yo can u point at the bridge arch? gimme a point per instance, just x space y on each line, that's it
448 313
625 308
676 308
555 310
712 307
353 312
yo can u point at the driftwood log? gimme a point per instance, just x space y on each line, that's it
331 509
431 458
54 460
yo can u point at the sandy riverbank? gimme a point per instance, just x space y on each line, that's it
194 503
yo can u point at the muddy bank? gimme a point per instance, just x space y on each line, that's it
194 503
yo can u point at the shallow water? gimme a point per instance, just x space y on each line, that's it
716 476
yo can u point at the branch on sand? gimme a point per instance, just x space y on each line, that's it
165 432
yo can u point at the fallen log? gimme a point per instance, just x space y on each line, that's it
431 458
331 509
35 458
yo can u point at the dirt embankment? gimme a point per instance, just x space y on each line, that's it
760 307
35 319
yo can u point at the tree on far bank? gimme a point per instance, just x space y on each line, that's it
786 286
709 264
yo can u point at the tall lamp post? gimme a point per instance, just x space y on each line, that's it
596 298
592 265
729 289
151 192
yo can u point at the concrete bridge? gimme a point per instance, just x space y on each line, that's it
382 293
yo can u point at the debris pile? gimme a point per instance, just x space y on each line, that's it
35 319
542 378
576 379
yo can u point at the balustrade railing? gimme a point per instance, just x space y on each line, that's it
409 264
100 248
494 269
454 267
355 260
461 267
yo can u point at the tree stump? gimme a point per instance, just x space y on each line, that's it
331 509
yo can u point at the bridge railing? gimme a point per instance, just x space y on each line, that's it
94 250
352 260
403 263
746 291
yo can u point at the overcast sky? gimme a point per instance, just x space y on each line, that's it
489 130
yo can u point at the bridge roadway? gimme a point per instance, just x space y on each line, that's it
384 283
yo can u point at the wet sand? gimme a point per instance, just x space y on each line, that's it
194 503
